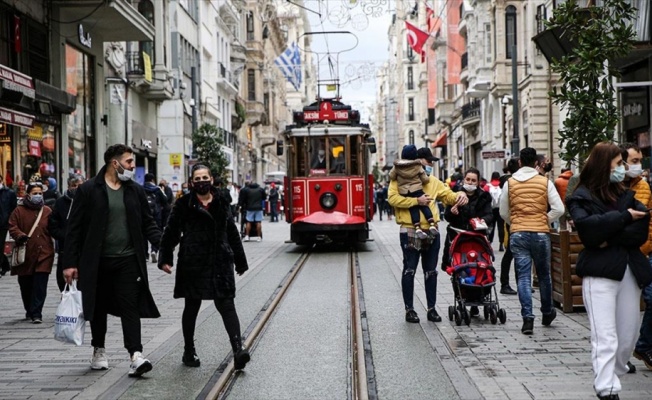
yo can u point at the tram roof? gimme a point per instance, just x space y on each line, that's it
329 130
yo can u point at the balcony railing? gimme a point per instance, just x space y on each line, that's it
228 76
135 65
470 110
465 60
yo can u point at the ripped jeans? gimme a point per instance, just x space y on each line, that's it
429 256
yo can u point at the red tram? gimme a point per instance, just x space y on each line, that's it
328 188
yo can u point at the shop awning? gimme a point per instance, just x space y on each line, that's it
12 117
441 140
114 20
60 100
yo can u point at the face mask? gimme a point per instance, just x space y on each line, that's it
35 199
470 188
125 175
618 174
202 187
634 171
429 170
71 192
185 190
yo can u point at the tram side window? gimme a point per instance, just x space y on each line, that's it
338 155
355 162
299 152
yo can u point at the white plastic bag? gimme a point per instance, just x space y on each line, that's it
69 322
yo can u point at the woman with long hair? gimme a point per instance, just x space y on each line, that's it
28 224
612 225
210 246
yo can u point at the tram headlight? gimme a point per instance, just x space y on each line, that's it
328 200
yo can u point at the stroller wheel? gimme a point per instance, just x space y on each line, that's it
451 313
502 315
467 318
458 318
486 312
493 315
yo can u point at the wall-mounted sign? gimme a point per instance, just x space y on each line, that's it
17 81
635 109
147 63
16 118
85 37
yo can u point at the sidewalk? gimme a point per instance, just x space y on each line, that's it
553 363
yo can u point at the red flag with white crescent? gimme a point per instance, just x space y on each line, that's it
430 14
18 44
416 37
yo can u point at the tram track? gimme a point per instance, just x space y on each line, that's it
361 379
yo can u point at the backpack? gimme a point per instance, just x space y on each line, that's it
495 192
154 207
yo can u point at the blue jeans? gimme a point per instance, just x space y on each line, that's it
528 247
411 257
644 343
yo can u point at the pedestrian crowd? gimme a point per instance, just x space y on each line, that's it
608 205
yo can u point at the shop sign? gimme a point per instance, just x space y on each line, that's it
34 148
635 108
17 81
85 37
16 118
175 159
147 64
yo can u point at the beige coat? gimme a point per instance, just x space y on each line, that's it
409 175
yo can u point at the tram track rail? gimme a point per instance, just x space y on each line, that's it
361 382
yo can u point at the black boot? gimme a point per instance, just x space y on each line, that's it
240 354
190 358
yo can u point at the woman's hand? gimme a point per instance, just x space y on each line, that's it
455 210
167 268
636 214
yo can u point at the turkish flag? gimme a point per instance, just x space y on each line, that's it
430 14
416 37
18 46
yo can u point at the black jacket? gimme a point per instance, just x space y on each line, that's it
58 221
210 245
251 197
597 223
85 236
8 203
273 195
479 206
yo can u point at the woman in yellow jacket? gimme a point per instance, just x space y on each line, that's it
633 156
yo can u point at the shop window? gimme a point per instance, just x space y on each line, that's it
37 153
81 123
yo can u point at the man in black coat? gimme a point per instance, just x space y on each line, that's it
273 202
252 201
58 223
8 202
109 225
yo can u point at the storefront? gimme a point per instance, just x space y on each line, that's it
635 109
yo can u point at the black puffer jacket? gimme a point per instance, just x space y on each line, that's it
597 223
479 206
251 197
210 244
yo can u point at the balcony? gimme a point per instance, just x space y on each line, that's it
471 113
255 113
158 89
226 80
465 60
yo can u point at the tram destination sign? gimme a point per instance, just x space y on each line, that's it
328 115
495 154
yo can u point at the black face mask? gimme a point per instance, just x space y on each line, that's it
202 187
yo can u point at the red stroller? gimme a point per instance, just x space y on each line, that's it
473 278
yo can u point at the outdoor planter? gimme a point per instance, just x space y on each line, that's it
566 285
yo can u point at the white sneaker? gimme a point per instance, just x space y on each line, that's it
99 360
139 365
246 238
153 258
258 239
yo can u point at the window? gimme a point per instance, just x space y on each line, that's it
146 9
189 56
541 18
410 78
250 26
410 52
510 26
411 137
251 85
190 6
487 42
410 109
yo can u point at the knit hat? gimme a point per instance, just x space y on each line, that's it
409 152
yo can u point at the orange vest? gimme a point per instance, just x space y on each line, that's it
528 205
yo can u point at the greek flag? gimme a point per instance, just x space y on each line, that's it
289 62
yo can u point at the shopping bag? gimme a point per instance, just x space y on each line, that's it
69 322
478 224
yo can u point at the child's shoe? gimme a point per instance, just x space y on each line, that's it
433 229
421 234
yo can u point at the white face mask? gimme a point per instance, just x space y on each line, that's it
634 171
470 188
126 174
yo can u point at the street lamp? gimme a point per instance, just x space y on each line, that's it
425 134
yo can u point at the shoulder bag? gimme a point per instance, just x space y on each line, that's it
18 252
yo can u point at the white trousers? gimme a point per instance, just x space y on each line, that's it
613 311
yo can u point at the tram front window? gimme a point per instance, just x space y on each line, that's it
338 163
327 156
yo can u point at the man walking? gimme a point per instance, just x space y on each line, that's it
415 248
251 199
273 202
524 205
157 201
108 228
8 202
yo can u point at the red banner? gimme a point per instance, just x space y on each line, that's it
16 118
34 148
17 81
455 42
